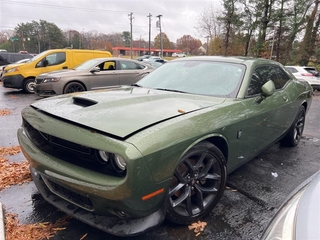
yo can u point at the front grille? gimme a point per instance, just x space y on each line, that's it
73 197
70 152
38 80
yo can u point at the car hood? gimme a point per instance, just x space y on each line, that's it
123 111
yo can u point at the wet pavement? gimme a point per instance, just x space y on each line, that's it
254 192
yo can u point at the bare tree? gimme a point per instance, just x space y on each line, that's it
208 23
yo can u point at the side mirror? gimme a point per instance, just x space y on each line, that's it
266 90
95 69
45 62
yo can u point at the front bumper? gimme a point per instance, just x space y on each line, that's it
113 225
14 81
44 90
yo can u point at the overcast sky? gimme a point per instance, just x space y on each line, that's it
179 17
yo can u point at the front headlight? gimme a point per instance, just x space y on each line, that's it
117 162
16 69
47 80
120 162
283 225
105 156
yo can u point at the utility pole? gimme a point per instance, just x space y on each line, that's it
161 45
130 18
207 44
149 16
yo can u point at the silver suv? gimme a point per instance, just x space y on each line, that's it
309 74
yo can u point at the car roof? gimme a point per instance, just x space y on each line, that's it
117 59
232 59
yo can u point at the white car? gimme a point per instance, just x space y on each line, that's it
309 74
154 59
178 55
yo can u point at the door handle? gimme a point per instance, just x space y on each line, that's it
285 99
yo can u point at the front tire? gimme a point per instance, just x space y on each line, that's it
292 138
74 87
28 85
197 184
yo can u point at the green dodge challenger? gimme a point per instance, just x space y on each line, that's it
126 158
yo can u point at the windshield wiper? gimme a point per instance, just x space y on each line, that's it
170 90
136 85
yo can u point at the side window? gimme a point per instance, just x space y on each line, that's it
281 78
105 66
126 65
261 75
53 59
291 69
141 66
257 81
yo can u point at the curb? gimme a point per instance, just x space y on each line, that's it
2 218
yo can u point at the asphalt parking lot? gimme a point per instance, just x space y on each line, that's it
254 191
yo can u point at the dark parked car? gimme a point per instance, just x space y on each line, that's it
93 74
299 216
9 57
126 158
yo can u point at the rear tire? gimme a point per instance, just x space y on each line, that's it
28 85
197 184
74 87
292 138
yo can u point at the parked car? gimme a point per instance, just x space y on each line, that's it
2 68
124 159
23 76
143 57
178 55
299 215
93 74
10 57
155 59
309 74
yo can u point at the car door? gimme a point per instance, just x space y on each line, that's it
130 72
107 76
266 120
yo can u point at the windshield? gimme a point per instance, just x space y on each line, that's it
197 77
39 56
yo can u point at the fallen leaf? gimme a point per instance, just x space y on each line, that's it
197 226
15 230
4 112
12 173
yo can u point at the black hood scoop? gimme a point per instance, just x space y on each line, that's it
83 102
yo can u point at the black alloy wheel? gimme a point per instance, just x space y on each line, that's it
197 184
74 87
292 138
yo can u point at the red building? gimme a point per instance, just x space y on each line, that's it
116 51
